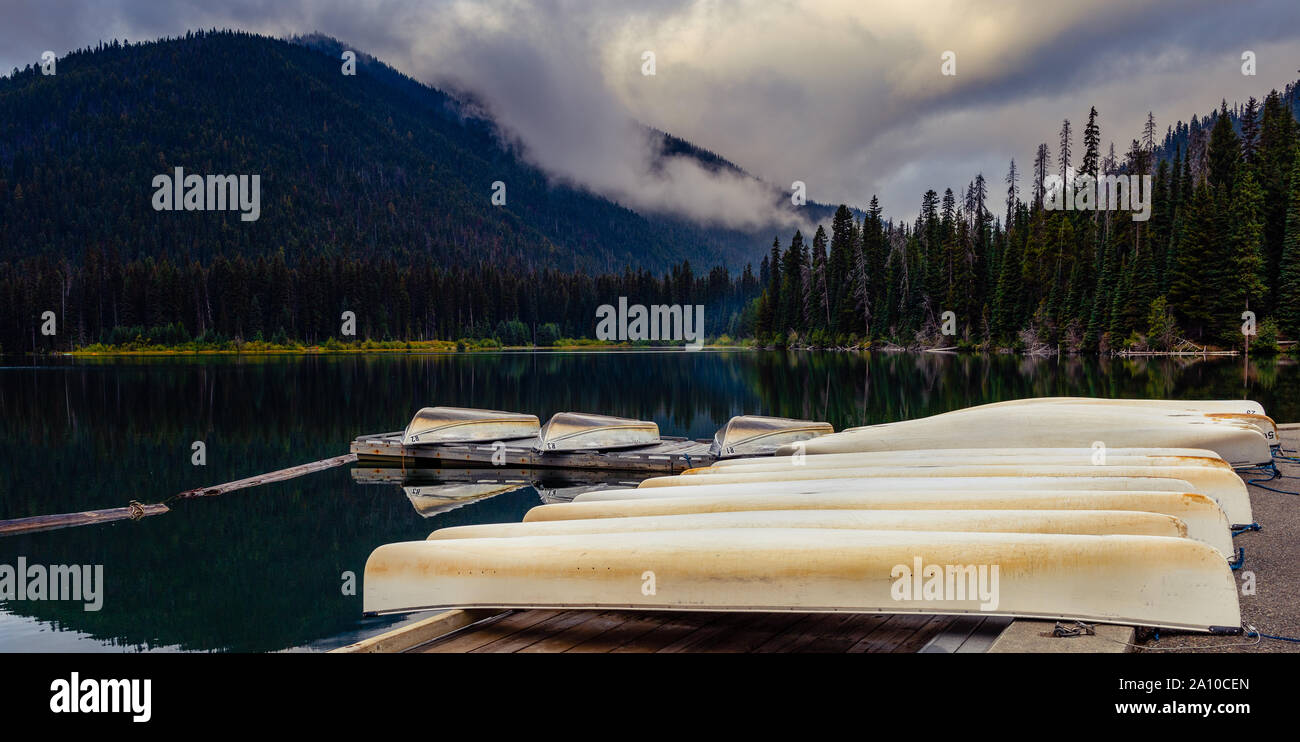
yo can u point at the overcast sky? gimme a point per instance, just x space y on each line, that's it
847 96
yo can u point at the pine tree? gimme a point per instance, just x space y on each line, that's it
1288 304
1091 145
1013 191
1249 130
1243 284
1065 150
1190 294
1223 153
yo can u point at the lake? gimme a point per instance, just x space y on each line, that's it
263 569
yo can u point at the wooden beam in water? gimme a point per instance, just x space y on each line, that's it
275 476
135 511
67 520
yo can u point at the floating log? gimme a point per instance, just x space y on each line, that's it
275 476
67 520
136 510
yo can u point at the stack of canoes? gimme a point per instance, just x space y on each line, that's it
1112 511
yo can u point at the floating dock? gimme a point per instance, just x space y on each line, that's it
455 437
669 456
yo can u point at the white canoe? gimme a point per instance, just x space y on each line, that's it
1222 485
1203 517
1028 426
895 484
939 455
1174 583
1081 522
1243 406
581 431
1066 405
829 461
434 425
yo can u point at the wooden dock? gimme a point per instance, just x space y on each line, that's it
670 456
591 631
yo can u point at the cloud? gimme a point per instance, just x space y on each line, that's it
844 95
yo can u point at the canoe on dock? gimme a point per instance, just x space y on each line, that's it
1223 485
580 431
1175 583
1051 426
1203 517
1081 522
433 425
1243 406
1063 456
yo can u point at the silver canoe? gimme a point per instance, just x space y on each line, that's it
752 435
433 425
580 431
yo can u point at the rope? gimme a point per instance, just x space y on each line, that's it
1248 632
136 509
1274 473
1240 560
1252 631
1246 529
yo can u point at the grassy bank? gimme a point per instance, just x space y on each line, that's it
332 345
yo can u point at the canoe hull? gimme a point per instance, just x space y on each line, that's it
1204 518
1078 522
945 458
580 431
1243 406
986 455
1223 485
1024 426
437 425
1171 583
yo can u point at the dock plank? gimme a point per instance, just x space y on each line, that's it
625 631
849 633
531 634
473 638
592 625
753 635
678 626
633 629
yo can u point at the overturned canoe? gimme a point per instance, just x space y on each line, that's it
1222 411
580 431
878 484
1245 406
752 435
434 425
1204 518
989 455
828 461
1222 485
1081 522
1026 426
1174 583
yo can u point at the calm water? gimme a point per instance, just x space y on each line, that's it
260 570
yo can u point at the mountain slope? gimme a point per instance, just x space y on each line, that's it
374 164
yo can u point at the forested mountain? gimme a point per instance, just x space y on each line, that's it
369 165
1223 238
